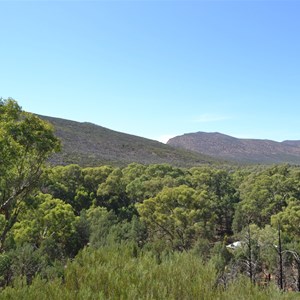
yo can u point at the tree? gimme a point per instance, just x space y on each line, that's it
93 177
288 222
66 183
289 219
180 215
146 182
50 223
262 195
26 142
100 221
220 183
112 195
248 253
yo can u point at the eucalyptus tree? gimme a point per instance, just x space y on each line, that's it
179 215
264 194
26 142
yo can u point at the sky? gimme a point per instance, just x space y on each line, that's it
154 68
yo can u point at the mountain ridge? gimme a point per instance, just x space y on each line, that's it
245 150
88 144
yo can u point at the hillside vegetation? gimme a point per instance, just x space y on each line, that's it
90 145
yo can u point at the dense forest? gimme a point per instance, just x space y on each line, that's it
141 231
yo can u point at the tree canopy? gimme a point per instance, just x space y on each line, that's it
26 142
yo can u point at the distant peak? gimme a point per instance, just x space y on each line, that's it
247 150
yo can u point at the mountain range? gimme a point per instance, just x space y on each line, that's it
88 144
229 148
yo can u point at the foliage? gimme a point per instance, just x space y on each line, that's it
179 215
264 194
141 231
52 221
26 142
115 273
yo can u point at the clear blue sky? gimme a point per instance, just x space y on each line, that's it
157 68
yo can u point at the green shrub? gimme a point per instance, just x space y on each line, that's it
116 272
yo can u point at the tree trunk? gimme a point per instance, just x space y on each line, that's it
250 254
298 275
280 279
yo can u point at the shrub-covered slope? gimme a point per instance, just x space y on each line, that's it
88 144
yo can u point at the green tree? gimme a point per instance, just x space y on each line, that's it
66 183
26 142
93 177
50 223
179 215
148 182
100 221
219 183
112 195
288 222
289 219
263 194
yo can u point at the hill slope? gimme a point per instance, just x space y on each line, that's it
88 144
241 150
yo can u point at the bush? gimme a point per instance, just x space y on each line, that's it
116 272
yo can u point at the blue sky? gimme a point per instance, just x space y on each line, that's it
157 68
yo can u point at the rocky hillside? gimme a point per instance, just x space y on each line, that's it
240 150
88 144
